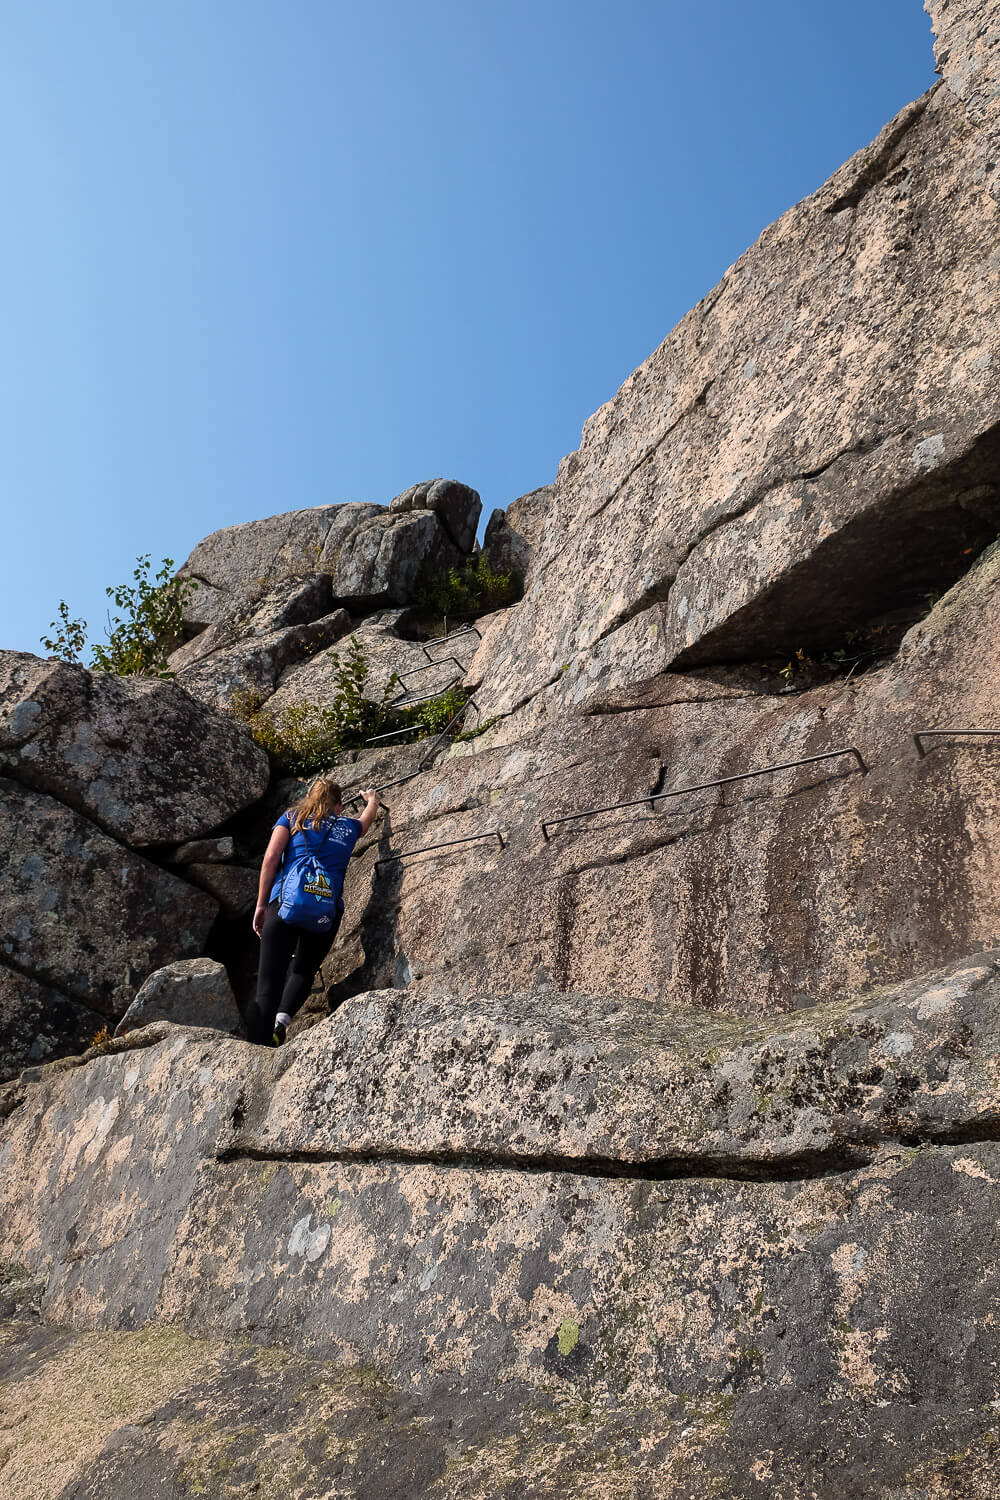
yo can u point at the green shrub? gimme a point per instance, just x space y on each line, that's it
305 737
141 636
464 593
437 713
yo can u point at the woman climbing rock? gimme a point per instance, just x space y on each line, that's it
300 902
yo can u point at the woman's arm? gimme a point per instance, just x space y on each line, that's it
272 861
370 813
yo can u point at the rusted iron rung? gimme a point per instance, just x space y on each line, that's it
473 838
653 797
941 733
422 763
469 703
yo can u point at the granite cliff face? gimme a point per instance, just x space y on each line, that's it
649 1153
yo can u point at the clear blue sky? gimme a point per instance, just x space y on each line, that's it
263 254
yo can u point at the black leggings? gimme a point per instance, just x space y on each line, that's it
280 987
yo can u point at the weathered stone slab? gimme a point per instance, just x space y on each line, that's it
603 1083
191 992
757 896
797 1297
254 665
204 851
381 561
233 886
818 436
237 566
137 756
314 680
156 1409
82 913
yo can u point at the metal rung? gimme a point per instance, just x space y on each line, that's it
456 635
473 838
439 662
469 703
701 786
391 733
407 702
399 781
922 734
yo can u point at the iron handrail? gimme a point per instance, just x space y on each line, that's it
455 636
653 797
494 833
469 703
939 733
384 787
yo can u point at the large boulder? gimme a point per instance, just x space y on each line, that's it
254 666
661 1218
383 561
456 506
386 652
191 992
295 602
817 440
83 914
138 756
371 554
512 535
236 567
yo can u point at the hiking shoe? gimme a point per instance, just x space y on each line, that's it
278 1035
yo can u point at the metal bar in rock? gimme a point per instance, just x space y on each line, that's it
469 703
653 797
456 635
405 701
923 734
426 666
473 838
392 733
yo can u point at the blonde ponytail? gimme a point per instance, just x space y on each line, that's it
321 801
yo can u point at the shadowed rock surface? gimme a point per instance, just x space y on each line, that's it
83 913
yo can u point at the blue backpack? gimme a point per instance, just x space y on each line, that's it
307 897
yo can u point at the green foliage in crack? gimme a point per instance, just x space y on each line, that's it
465 592
143 632
307 737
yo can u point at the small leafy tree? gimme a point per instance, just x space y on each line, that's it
437 713
70 638
358 715
141 635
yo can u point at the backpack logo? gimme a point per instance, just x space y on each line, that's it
316 884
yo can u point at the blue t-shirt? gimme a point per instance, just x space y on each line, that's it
332 844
